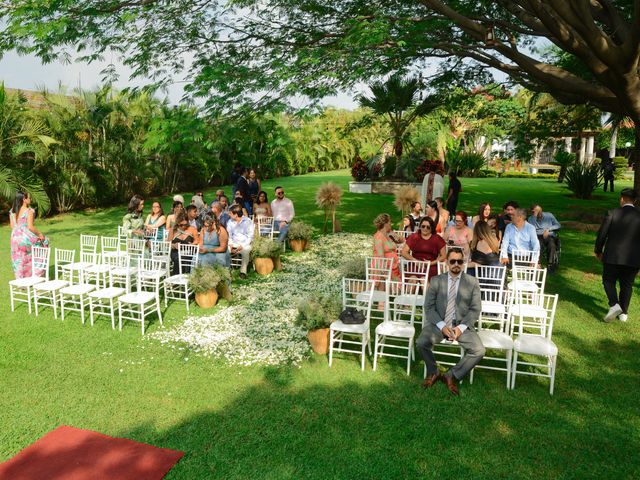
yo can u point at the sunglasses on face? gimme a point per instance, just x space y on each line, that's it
453 261
425 227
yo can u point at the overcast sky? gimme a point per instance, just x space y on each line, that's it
28 73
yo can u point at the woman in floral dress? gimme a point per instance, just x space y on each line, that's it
24 235
384 246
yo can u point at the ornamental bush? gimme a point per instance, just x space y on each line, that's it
427 166
583 179
359 169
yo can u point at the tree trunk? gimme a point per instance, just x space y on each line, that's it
614 141
397 150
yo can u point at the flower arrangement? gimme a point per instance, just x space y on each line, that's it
328 198
318 311
354 268
264 247
359 169
427 166
299 231
203 279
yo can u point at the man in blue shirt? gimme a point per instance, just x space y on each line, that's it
519 235
547 228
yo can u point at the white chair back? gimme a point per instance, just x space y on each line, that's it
536 314
147 265
88 243
63 257
415 275
109 245
524 258
160 248
187 257
378 269
529 279
135 249
399 309
358 294
491 277
40 257
265 226
122 237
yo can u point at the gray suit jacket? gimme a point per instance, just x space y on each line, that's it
468 301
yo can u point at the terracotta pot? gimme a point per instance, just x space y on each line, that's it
207 299
319 340
277 263
298 245
223 290
264 266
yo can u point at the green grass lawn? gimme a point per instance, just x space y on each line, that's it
316 422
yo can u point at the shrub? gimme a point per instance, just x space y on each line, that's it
564 159
470 163
318 311
359 170
426 166
208 277
622 164
299 231
264 247
389 167
583 179
354 268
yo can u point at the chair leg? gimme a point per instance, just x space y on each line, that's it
553 374
165 294
514 369
35 300
11 296
471 376
509 366
111 310
142 316
91 310
186 296
409 356
330 347
158 309
364 346
119 315
54 302
375 352
82 308
62 305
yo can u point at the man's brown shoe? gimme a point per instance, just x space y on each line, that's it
430 380
450 382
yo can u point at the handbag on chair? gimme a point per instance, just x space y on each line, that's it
352 316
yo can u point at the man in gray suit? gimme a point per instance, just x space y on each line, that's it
452 306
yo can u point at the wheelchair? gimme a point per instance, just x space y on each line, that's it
544 251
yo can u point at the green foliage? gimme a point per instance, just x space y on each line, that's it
318 311
353 268
622 165
583 179
564 159
264 247
389 167
299 230
208 277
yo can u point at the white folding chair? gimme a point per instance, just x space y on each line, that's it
88 253
415 275
121 272
21 289
378 271
75 298
539 343
528 279
135 250
161 250
265 227
137 305
45 294
102 301
123 235
397 333
494 297
524 258
98 273
356 294
176 287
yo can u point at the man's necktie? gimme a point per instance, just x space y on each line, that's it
451 303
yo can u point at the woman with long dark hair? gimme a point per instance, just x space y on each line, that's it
132 222
157 220
484 212
24 235
432 211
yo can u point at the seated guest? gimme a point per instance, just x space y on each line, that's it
425 245
185 234
484 246
408 225
221 215
483 214
219 193
452 307
262 207
239 201
492 221
200 194
171 219
518 235
193 217
383 244
460 235
155 219
444 213
241 231
224 203
178 198
416 211
133 222
507 214
214 242
199 204
431 210
283 213
547 228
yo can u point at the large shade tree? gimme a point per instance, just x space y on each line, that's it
263 51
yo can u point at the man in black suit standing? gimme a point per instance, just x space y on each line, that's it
452 307
619 236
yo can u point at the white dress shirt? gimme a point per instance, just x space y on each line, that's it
283 210
241 233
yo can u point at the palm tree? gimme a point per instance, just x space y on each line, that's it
396 99
615 120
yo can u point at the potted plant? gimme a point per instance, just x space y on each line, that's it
204 281
263 251
315 314
299 235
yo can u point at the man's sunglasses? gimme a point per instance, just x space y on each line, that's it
453 261
426 227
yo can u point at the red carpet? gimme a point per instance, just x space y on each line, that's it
73 454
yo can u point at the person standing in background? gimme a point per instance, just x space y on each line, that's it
455 187
24 235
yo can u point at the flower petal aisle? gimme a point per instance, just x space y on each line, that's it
258 328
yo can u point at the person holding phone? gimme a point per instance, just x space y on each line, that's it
185 234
